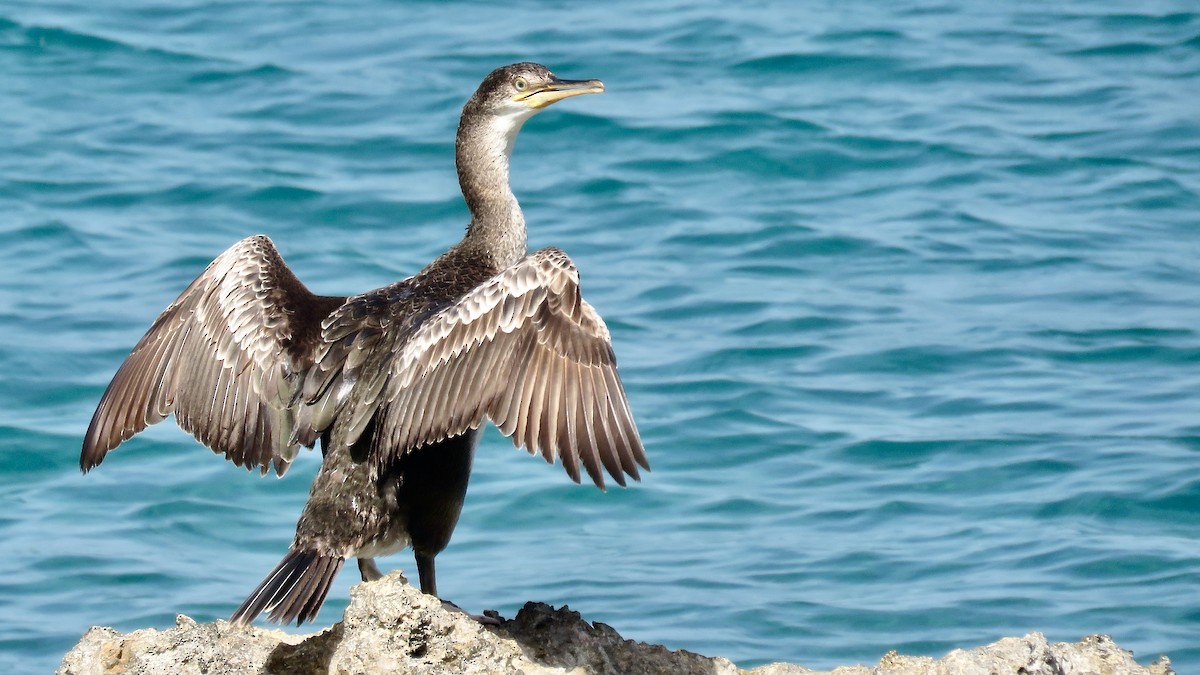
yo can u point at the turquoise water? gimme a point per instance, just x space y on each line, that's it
905 296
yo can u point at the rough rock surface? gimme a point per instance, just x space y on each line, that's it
390 627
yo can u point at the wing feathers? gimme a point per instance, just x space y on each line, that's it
523 349
548 434
223 357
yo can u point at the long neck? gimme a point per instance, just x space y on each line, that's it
482 149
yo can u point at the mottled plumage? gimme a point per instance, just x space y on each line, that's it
396 382
227 358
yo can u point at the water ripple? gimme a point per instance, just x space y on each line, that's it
904 300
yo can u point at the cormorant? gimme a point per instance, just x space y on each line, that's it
397 382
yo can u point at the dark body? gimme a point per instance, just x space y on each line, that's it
356 508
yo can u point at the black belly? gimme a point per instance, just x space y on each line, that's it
431 487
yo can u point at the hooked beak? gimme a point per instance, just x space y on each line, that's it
557 90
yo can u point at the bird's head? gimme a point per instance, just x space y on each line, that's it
527 88
510 95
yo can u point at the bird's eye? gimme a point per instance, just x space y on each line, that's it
520 84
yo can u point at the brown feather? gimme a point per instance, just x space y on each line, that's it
213 358
522 348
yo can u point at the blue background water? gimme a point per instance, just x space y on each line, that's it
905 297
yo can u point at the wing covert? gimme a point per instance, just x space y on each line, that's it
524 350
224 358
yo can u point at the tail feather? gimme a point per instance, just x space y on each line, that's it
294 590
292 606
325 579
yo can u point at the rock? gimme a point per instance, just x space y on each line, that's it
391 627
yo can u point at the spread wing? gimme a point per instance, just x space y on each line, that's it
523 349
225 358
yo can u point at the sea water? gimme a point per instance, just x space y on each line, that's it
905 298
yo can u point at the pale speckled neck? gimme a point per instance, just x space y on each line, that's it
484 144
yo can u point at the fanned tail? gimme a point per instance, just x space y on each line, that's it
294 590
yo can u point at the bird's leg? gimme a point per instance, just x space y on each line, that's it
369 570
426 572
